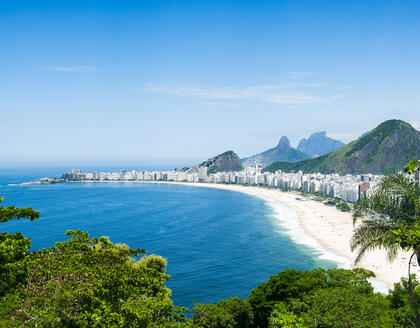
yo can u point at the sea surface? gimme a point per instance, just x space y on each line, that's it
218 243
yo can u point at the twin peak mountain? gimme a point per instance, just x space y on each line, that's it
317 144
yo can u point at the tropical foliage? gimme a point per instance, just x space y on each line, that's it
320 298
391 221
11 213
91 282
231 313
393 205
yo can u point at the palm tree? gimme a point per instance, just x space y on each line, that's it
393 205
391 217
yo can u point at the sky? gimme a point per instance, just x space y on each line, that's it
157 82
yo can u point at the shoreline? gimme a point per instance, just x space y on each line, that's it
323 228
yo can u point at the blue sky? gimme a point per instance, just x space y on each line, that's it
119 82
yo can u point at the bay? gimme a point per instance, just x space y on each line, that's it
218 243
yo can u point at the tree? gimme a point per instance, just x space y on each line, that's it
91 282
282 318
343 299
391 220
81 282
413 166
399 298
283 287
13 248
343 307
393 205
11 213
231 313
290 285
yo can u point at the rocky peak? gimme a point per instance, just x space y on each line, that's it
318 134
228 161
318 144
284 141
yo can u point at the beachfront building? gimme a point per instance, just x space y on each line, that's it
348 187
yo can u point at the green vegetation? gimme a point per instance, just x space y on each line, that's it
230 313
341 204
344 207
227 161
91 282
412 167
394 205
13 213
328 298
386 148
81 282
391 221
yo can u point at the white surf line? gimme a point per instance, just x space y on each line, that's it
288 220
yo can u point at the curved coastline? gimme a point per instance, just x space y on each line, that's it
325 229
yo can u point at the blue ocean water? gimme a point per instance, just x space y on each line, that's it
218 243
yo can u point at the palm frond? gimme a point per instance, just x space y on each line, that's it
372 234
396 198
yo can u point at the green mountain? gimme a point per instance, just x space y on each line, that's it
318 144
387 147
282 152
228 161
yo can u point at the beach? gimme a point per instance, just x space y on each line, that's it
326 229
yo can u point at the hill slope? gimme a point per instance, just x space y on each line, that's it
228 161
318 144
389 146
282 152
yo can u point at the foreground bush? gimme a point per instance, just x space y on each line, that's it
328 298
91 282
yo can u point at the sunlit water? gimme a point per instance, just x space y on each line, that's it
218 243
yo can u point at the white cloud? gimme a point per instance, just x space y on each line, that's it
288 94
299 75
221 104
72 69
416 125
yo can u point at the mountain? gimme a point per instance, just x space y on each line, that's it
318 144
228 161
387 147
282 152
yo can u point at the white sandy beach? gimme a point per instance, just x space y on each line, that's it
326 229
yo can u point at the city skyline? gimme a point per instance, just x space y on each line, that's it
179 82
348 187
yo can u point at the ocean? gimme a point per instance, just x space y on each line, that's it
218 243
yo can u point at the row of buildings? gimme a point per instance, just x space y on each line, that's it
348 187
